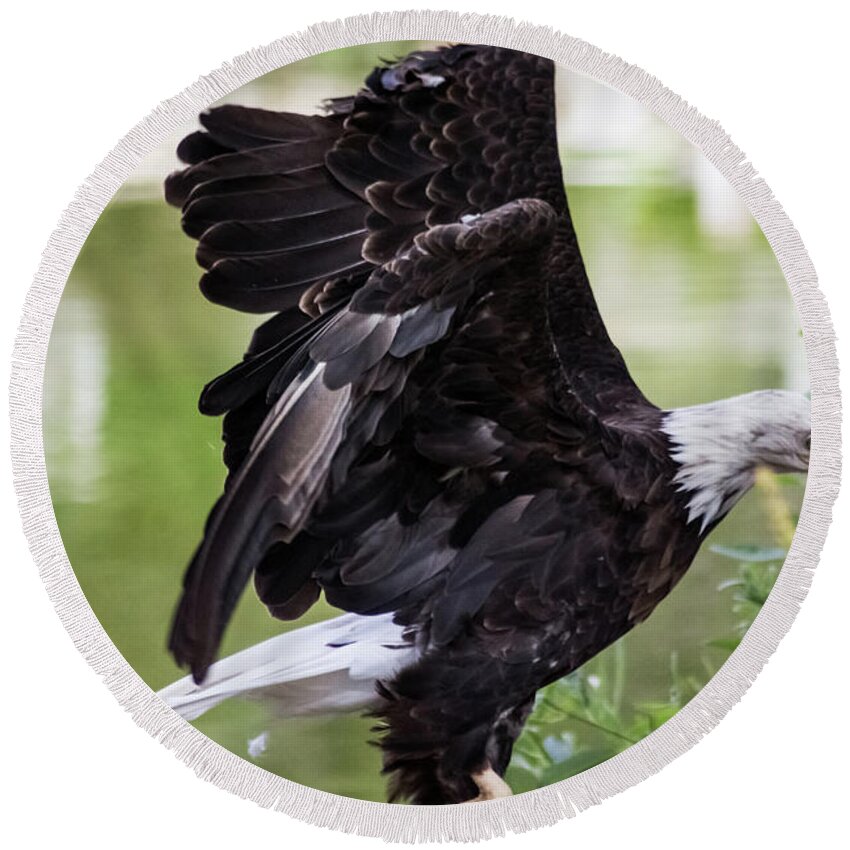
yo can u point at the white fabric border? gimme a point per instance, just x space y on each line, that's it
424 823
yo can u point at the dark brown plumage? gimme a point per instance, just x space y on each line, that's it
435 423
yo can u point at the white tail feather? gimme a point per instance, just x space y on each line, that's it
325 668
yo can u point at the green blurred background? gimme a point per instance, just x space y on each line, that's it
688 286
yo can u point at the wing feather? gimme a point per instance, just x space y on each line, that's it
338 401
409 239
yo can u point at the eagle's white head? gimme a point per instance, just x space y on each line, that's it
719 445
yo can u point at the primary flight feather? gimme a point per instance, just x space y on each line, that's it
434 429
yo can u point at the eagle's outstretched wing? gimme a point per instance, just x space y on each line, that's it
419 370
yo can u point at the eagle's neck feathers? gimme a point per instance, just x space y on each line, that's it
714 472
718 447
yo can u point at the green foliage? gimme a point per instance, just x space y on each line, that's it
757 572
583 720
750 554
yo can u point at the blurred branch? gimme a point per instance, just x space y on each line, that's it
778 513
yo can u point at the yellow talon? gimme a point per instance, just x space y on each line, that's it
491 786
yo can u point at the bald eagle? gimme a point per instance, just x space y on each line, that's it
434 428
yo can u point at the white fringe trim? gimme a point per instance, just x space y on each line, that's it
426 823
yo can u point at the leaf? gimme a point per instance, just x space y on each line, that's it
580 762
751 554
658 713
788 479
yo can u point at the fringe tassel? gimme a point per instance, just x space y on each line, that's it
408 823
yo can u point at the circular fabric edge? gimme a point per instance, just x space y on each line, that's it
423 823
